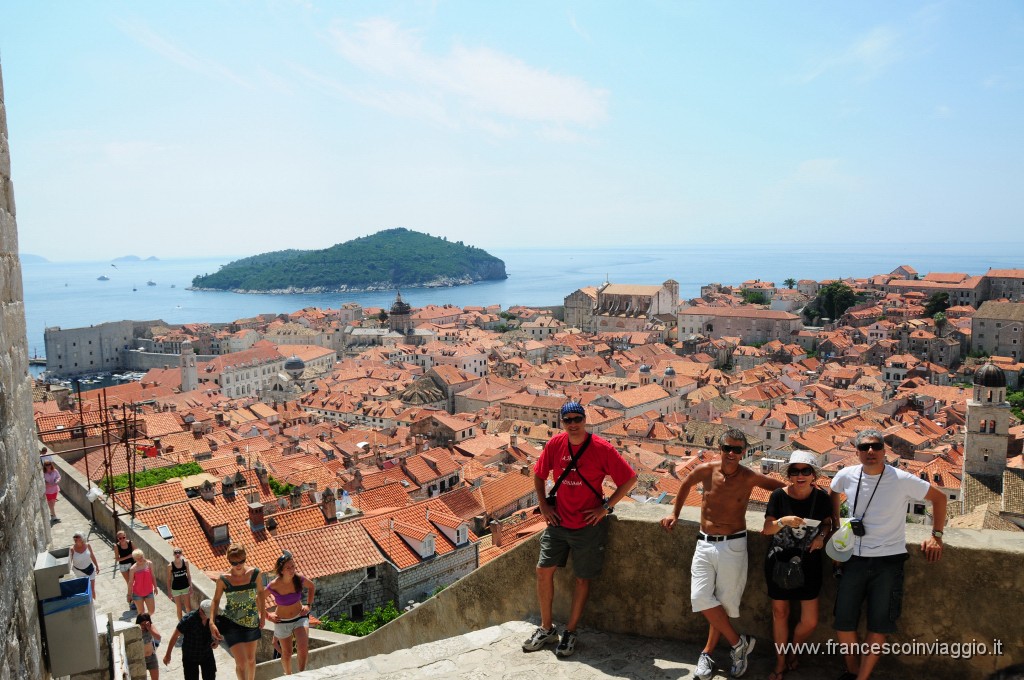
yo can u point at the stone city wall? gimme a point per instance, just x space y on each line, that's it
23 513
645 590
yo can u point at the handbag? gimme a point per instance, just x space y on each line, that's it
552 496
789 574
88 570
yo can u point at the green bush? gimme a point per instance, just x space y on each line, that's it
279 488
370 623
150 477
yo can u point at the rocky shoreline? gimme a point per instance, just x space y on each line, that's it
443 282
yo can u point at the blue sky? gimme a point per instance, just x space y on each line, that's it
240 127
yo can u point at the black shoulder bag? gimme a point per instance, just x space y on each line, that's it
789 574
551 499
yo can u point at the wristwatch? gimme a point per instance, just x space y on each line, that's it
937 534
609 509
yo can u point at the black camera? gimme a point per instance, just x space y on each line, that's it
552 501
857 526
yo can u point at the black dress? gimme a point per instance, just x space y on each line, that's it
790 542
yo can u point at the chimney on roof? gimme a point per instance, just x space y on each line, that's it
496 538
158 445
328 506
296 497
312 492
227 487
525 470
256 517
261 472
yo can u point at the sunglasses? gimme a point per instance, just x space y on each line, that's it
573 419
236 564
871 446
177 552
732 449
800 471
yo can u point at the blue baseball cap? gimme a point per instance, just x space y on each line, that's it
573 407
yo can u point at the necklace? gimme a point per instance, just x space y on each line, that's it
731 474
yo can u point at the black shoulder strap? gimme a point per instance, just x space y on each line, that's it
572 463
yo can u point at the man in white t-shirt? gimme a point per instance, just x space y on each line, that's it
877 496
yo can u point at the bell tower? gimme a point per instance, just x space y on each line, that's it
988 423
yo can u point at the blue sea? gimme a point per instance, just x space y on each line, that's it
68 294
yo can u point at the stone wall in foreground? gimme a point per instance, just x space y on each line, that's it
975 593
23 514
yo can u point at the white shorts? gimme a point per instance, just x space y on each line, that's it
718 575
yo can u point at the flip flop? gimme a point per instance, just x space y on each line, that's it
777 675
792 663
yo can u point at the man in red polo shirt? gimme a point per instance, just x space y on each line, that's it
576 521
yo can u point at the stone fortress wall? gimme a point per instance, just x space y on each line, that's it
646 583
24 517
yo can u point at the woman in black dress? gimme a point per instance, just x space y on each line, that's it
798 518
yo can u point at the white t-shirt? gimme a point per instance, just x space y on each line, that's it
885 519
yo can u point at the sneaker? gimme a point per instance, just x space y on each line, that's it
540 638
567 647
705 667
131 605
739 655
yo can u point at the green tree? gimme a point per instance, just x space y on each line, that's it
754 297
1016 400
940 322
790 282
938 302
836 298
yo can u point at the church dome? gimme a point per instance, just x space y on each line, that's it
644 368
670 371
294 366
400 306
989 376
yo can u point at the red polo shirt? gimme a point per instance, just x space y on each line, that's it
574 497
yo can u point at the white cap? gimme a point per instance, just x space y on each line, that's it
840 546
205 606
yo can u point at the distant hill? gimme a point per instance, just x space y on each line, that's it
27 258
128 258
394 258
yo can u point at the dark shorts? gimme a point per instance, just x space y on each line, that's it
151 662
207 663
879 581
586 545
234 634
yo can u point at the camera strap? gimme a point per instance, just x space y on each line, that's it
856 498
572 464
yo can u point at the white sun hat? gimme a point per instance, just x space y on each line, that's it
840 546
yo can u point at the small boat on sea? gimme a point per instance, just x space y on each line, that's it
102 278
150 283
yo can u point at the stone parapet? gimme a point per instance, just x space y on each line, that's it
644 591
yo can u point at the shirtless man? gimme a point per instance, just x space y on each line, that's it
718 573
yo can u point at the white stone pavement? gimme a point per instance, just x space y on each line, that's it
496 653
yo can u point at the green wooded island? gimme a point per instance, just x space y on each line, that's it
393 258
